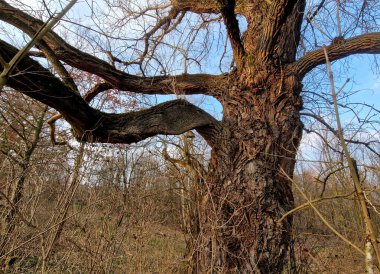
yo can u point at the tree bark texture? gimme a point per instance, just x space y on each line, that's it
246 191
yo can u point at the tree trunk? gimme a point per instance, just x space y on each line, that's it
246 191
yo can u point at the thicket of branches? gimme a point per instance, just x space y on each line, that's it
133 209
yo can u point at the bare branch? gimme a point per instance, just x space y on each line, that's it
335 132
51 123
228 12
97 89
91 94
92 125
283 18
315 201
366 43
362 201
182 84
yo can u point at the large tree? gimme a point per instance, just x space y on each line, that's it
254 146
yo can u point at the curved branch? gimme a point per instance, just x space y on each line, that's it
365 43
94 91
91 94
89 124
182 84
163 23
169 118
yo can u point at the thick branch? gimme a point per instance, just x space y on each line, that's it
39 83
210 6
282 23
182 84
171 118
207 6
175 117
232 25
366 43
91 94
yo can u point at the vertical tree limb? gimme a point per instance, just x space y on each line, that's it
371 236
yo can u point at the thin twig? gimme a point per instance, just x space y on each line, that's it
323 219
307 204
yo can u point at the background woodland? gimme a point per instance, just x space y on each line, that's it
72 206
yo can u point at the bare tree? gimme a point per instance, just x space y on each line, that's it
245 192
20 137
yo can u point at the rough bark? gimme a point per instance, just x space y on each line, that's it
246 193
